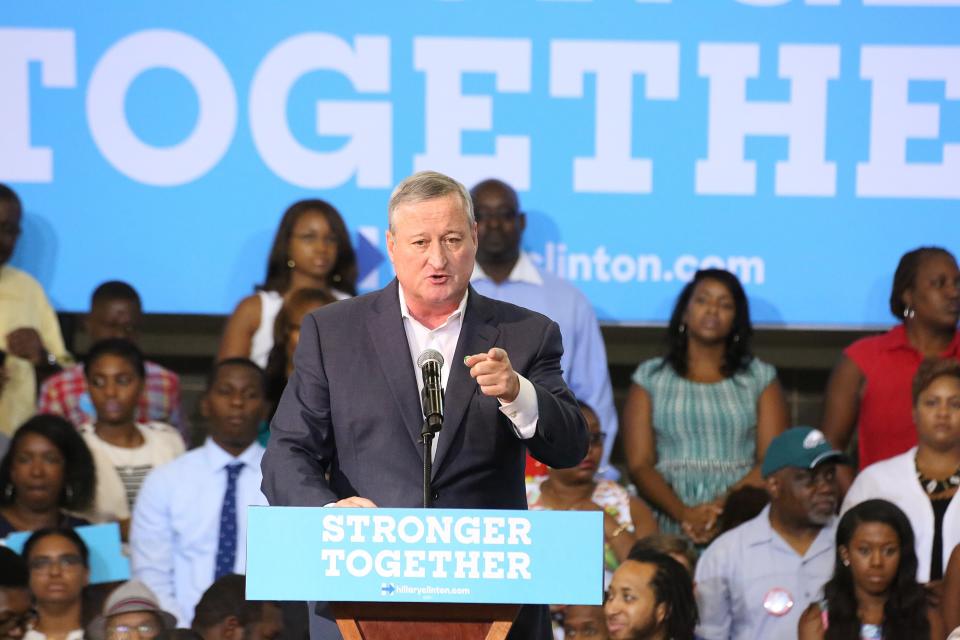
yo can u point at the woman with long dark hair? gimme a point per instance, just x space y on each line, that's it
873 593
698 421
46 473
311 250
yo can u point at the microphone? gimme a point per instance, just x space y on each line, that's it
430 361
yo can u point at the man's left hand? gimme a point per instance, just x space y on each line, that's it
494 373
25 343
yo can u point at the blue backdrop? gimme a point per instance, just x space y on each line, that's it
803 145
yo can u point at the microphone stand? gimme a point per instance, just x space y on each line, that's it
427 433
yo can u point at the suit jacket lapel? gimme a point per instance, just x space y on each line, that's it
385 326
478 334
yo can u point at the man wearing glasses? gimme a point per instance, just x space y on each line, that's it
16 612
131 613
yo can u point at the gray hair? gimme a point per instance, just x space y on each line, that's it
428 185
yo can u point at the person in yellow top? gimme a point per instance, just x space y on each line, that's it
30 337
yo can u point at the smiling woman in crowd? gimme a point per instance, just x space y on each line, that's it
46 473
311 250
698 421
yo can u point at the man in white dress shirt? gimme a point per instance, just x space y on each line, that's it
189 521
347 429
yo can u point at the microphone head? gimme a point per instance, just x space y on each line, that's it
428 355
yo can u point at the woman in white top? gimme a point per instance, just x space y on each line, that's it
124 451
59 566
312 250
923 481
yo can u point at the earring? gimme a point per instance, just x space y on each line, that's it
736 337
291 263
8 492
336 277
68 493
908 313
845 562
683 328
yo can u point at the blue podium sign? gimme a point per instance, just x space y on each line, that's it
425 555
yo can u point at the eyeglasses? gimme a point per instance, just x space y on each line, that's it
64 562
500 215
22 622
598 438
125 631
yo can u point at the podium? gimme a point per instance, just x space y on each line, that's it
424 574
417 621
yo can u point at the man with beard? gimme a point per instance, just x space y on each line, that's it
650 598
754 581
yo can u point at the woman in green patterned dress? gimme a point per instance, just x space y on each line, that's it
698 421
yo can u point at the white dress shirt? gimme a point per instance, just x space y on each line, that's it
176 523
523 412
584 359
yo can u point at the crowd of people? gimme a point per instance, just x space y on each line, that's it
725 522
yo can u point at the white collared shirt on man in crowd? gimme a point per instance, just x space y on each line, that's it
584 360
176 523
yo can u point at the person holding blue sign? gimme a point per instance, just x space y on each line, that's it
348 427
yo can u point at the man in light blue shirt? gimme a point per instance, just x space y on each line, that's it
189 521
504 272
754 581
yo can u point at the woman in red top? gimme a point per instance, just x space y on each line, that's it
870 386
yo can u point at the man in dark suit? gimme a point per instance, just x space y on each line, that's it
347 430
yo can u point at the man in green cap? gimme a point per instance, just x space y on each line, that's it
755 580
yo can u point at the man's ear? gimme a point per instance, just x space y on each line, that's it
773 486
205 406
521 221
660 613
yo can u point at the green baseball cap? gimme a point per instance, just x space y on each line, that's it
800 447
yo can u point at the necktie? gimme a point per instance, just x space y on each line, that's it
227 541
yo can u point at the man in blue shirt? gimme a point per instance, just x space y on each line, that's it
754 581
505 272
189 522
